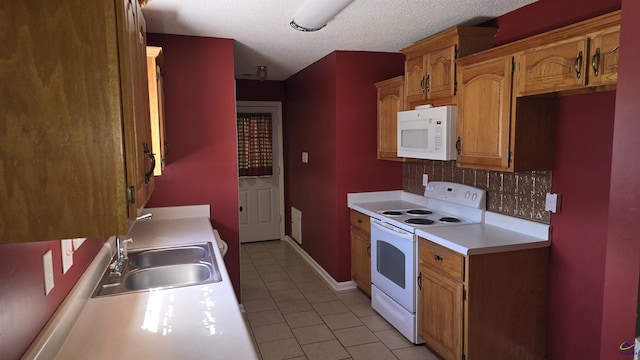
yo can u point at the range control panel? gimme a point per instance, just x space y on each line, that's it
456 193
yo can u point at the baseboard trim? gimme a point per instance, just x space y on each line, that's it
328 279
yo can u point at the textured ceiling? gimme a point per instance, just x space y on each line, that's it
263 36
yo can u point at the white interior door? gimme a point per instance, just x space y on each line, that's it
261 198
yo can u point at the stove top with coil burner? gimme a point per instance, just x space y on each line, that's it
448 204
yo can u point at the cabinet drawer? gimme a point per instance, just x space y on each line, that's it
360 221
445 260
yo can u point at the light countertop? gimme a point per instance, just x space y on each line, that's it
194 322
497 232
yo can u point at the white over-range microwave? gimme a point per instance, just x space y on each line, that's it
427 133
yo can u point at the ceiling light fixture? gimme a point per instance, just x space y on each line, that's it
317 13
261 73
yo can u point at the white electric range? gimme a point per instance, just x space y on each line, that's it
394 246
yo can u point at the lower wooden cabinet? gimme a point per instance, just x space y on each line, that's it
489 306
361 251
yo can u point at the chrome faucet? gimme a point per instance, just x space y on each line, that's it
122 255
122 251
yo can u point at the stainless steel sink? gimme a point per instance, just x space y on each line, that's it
162 268
170 256
171 275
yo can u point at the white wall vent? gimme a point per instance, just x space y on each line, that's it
296 225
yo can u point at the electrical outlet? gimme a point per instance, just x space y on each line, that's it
425 179
47 266
67 254
305 157
77 242
552 202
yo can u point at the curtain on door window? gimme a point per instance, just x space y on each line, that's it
255 148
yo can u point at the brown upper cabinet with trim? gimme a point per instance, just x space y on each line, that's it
390 101
583 61
75 157
506 99
430 73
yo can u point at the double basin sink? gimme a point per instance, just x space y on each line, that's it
162 268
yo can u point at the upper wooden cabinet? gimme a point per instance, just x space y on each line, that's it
155 65
576 63
496 130
390 101
556 67
74 139
430 67
506 95
484 107
603 66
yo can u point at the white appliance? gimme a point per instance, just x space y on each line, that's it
427 133
394 249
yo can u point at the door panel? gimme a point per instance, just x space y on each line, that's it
261 207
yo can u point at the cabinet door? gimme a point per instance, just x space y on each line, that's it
415 79
390 101
440 313
70 120
556 67
604 57
155 65
484 105
361 259
440 80
135 102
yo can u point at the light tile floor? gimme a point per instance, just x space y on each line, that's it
293 314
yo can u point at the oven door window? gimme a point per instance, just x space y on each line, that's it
391 263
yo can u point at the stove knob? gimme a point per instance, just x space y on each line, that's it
474 197
467 195
432 187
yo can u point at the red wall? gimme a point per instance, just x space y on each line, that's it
331 114
254 90
545 15
622 267
24 309
582 162
200 116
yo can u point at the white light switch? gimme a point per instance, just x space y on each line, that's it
47 265
552 202
305 157
67 254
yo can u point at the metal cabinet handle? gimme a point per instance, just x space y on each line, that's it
369 250
422 84
577 65
595 62
148 175
420 281
437 257
458 145
427 87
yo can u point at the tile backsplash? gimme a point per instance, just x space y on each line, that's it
515 194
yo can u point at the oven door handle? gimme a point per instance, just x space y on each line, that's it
393 230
